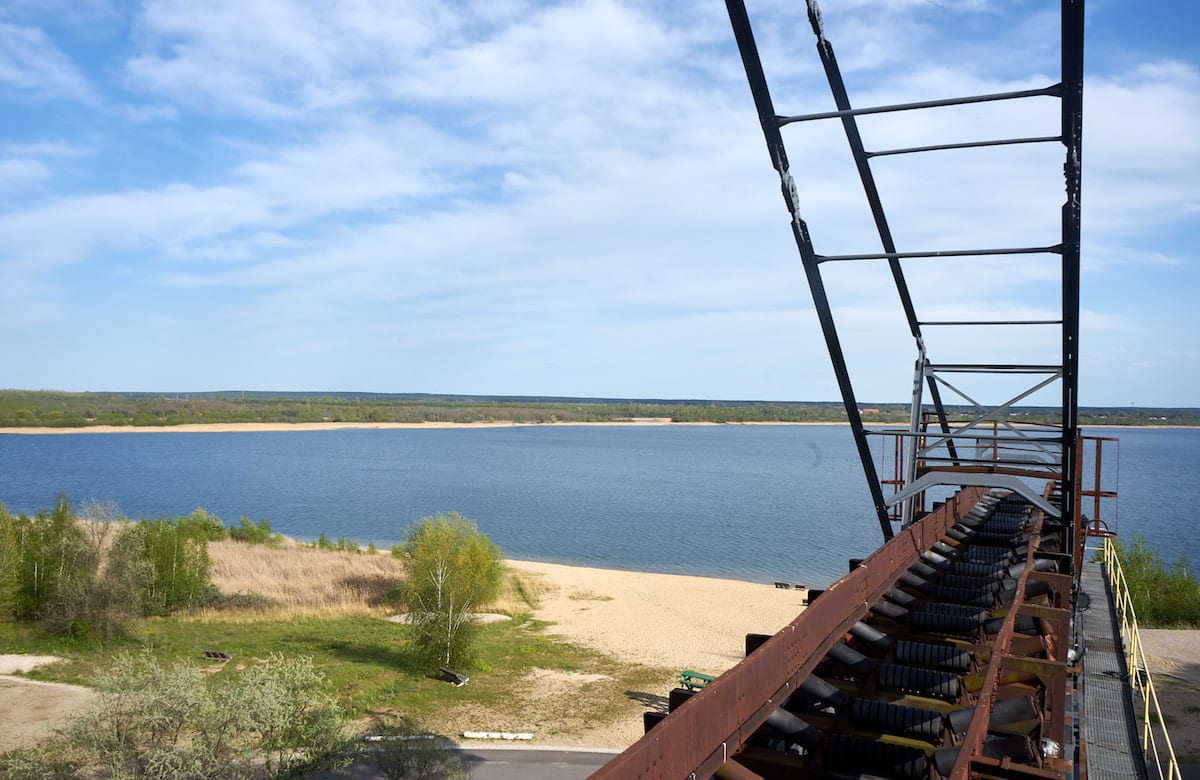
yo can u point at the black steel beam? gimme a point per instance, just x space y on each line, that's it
1054 90
1052 249
862 163
1072 133
766 114
966 145
991 322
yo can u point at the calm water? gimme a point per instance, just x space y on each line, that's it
758 503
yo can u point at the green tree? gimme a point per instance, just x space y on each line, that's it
99 591
10 563
451 569
177 551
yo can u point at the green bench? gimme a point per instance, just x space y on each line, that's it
694 681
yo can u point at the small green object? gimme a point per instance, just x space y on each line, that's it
694 681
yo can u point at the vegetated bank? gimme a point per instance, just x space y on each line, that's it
48 409
250 603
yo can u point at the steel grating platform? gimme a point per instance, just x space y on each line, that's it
1108 725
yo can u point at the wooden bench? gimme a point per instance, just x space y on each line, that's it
217 655
694 681
454 678
783 585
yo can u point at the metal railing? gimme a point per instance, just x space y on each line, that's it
1154 725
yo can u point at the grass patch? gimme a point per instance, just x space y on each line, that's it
587 595
370 668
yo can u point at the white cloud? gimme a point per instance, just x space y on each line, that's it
494 182
32 64
16 174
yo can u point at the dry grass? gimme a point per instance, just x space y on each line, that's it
304 580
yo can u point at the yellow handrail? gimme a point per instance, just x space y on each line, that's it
1139 671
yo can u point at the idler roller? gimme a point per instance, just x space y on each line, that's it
973 597
915 582
794 728
1014 748
924 571
922 682
945 550
897 719
946 657
984 554
886 609
822 693
959 534
871 638
905 600
1004 712
1024 625
926 622
936 560
968 569
858 664
971 582
957 610
1033 589
997 538
860 755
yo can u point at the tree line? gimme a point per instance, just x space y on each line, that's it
45 409
84 574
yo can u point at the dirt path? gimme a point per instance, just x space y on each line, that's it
31 709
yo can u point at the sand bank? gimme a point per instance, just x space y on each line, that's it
673 621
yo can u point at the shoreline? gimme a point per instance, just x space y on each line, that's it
648 422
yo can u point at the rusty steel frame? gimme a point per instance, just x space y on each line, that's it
704 735
712 726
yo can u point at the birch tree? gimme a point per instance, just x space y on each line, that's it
451 569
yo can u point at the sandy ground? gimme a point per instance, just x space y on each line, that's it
1174 652
29 709
666 620
1174 658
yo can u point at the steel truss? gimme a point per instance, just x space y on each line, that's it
998 551
936 457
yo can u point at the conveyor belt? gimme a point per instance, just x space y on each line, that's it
973 619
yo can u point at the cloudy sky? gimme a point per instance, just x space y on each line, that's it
570 198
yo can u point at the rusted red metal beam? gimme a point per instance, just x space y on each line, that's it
711 727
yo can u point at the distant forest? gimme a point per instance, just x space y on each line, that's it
46 409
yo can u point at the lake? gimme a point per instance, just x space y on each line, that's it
749 502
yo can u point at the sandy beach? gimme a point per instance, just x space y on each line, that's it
673 621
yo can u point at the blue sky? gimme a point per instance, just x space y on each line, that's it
567 198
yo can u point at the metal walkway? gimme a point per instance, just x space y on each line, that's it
1108 731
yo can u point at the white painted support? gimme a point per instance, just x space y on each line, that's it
1005 481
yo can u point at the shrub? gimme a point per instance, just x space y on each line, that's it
152 721
1162 597
250 532
202 525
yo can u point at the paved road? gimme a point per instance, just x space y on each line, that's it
484 764
512 764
